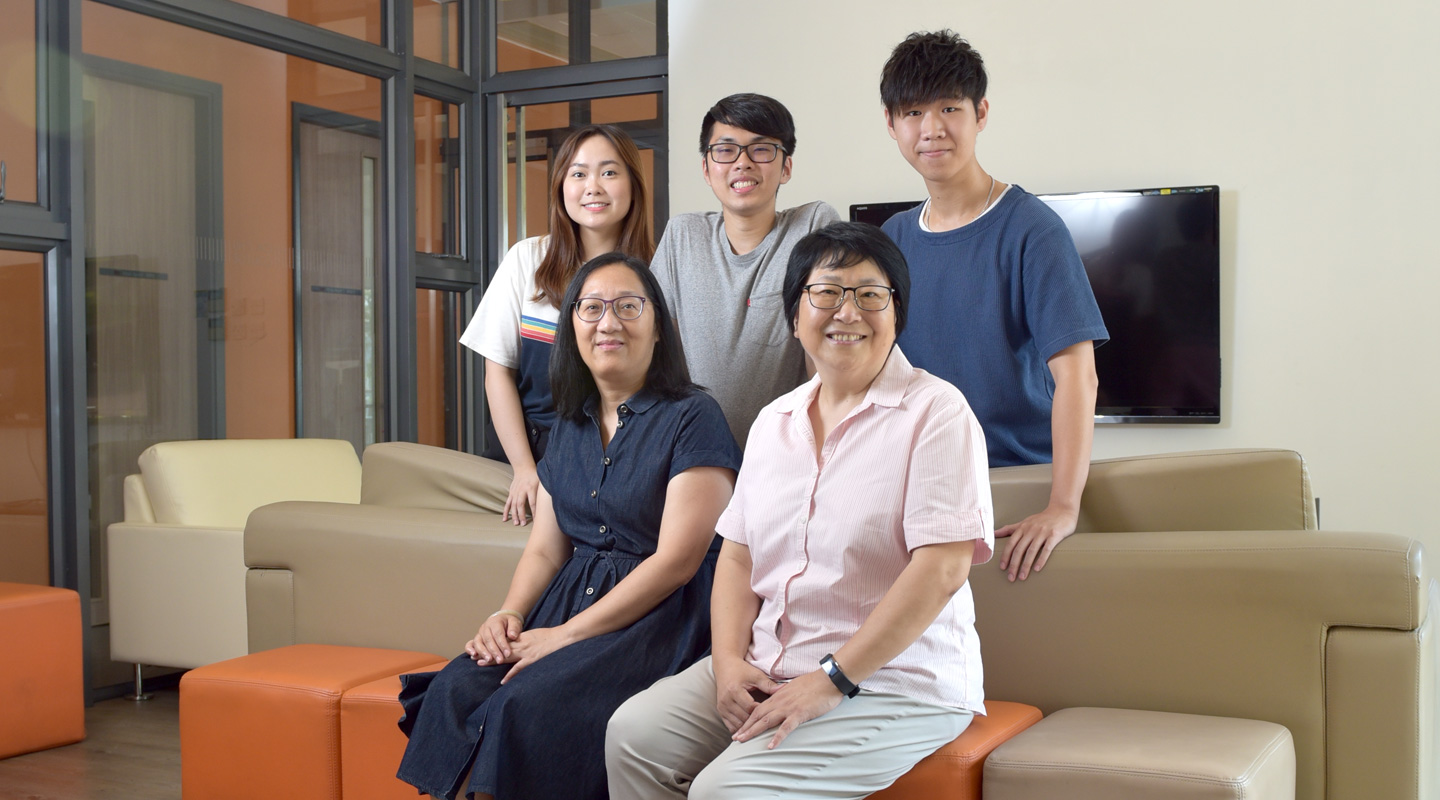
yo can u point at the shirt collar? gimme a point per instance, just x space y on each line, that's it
888 388
640 402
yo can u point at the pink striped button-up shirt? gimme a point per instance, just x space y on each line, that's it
829 535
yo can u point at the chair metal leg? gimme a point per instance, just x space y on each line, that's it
139 687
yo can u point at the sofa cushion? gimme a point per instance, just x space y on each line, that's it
408 475
1122 754
1205 490
217 483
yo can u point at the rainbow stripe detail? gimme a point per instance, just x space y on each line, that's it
537 329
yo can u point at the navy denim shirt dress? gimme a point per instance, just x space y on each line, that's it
542 735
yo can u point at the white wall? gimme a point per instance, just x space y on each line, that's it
1318 120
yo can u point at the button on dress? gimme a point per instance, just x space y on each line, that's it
542 734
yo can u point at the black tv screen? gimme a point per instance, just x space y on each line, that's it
1153 257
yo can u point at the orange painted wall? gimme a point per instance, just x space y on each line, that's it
17 98
24 519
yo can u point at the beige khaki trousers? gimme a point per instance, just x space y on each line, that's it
669 742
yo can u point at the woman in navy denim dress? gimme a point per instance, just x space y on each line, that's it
613 590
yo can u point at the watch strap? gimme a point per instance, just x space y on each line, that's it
837 676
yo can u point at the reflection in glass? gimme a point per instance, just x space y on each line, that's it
358 19
540 33
438 367
437 30
17 99
24 515
437 176
622 29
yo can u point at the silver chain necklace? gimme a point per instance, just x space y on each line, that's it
983 208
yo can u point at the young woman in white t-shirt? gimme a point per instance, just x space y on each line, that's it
598 204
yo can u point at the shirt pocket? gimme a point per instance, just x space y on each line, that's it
765 322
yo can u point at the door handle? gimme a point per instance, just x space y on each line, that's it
2 181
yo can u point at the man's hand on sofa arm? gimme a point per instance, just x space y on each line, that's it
1033 538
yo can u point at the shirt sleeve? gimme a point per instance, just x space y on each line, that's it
731 524
1060 306
947 491
824 215
494 332
704 438
662 267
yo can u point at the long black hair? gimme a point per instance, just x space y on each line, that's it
571 383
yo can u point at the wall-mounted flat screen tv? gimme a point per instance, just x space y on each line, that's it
1153 257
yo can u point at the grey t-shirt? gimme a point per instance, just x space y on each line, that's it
732 318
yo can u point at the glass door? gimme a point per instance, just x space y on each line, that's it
337 161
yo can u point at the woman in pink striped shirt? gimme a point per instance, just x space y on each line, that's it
842 621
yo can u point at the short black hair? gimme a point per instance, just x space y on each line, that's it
571 383
756 113
845 244
930 66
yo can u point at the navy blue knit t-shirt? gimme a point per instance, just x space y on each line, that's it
990 303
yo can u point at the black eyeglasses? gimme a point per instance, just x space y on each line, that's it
828 296
591 309
729 152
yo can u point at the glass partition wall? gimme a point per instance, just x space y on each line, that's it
24 506
244 219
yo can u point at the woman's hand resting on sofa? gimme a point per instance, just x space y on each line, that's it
520 502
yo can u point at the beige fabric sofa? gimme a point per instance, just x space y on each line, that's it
176 562
1198 585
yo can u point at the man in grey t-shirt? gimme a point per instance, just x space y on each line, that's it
722 272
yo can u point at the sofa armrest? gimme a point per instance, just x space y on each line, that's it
176 594
374 576
1206 490
1220 623
409 475
136 501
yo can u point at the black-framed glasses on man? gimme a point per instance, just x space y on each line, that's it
627 307
828 296
729 152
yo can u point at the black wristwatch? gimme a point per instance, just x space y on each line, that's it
837 676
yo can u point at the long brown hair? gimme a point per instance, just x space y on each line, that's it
563 257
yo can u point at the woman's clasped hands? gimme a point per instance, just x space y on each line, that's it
805 698
502 639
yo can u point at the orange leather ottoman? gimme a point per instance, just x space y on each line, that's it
954 771
42 669
268 724
371 743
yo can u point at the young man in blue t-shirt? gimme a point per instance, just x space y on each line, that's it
1000 304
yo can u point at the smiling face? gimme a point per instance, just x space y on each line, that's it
846 339
938 138
597 188
618 352
745 188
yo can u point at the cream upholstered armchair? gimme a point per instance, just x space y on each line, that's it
177 561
